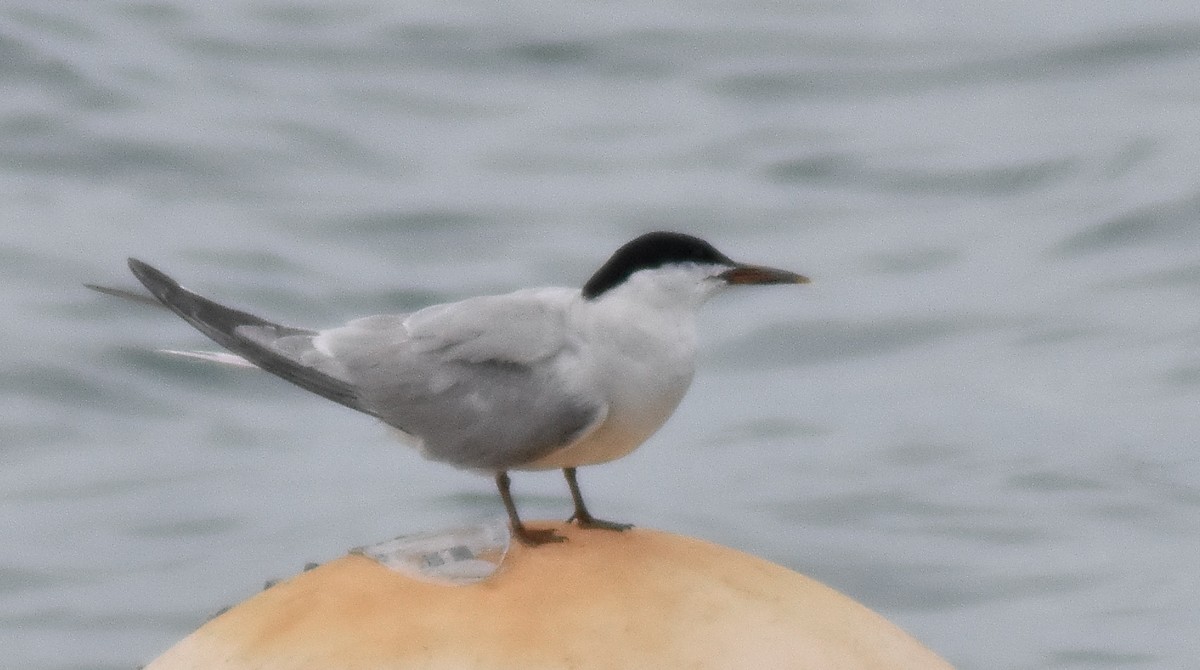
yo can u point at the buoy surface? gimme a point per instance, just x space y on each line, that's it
637 599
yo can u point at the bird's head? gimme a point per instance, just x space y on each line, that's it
677 267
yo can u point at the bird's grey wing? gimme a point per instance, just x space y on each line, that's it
491 414
520 327
281 350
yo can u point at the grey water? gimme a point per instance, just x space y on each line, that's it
980 419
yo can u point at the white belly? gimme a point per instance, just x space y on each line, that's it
611 440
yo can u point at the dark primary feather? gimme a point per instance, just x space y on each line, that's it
222 325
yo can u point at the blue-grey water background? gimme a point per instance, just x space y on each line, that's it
980 419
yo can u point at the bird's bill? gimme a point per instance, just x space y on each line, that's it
758 274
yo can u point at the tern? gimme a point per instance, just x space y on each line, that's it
536 379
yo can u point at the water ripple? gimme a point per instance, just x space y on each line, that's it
891 74
1165 222
814 343
845 169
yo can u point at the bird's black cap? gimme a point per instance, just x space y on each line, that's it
652 250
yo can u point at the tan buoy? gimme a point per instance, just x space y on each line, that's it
638 599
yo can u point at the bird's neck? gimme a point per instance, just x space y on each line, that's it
642 358
646 346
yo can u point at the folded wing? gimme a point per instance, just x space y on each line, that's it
478 383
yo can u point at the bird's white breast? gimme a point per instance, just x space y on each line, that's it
640 360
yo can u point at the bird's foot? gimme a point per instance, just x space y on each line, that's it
589 521
534 537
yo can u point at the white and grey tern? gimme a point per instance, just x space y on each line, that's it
537 379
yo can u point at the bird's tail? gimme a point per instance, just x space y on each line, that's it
221 357
284 351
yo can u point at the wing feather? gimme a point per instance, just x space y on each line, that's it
520 327
480 383
281 350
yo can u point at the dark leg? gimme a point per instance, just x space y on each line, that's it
582 516
531 538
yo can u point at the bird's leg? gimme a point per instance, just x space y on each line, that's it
530 538
582 516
